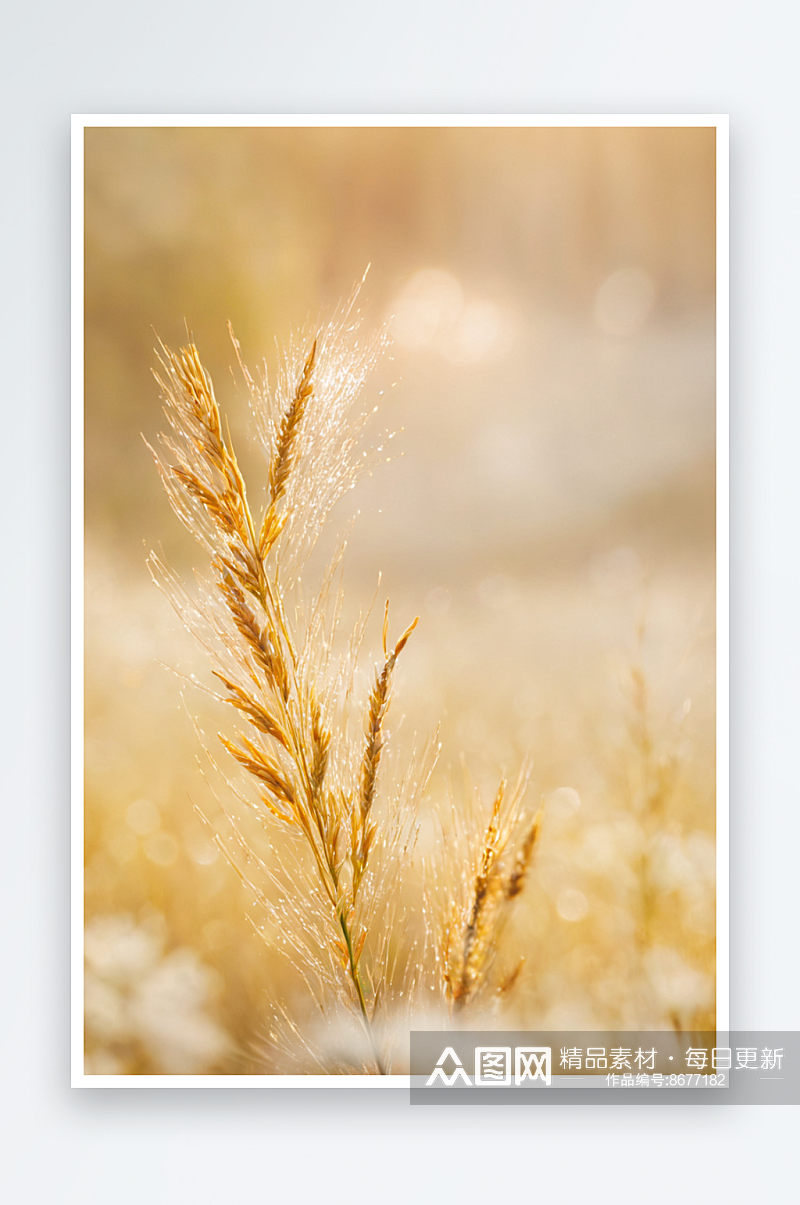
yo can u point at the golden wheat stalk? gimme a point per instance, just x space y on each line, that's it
501 858
271 675
310 763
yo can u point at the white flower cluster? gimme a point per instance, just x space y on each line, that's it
146 1010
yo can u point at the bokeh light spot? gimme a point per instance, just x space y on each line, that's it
624 302
429 303
161 849
143 817
571 904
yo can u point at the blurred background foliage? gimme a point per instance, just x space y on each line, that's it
548 510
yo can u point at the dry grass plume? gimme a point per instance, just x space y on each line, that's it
310 759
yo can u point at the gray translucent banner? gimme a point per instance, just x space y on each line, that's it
567 1067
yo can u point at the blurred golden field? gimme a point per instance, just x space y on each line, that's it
546 504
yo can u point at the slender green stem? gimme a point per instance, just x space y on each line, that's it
360 993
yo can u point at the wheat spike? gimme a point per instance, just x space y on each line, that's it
264 664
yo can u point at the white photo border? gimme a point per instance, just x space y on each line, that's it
81 122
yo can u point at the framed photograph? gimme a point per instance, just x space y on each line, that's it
400 588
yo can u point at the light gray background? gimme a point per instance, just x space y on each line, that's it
370 57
